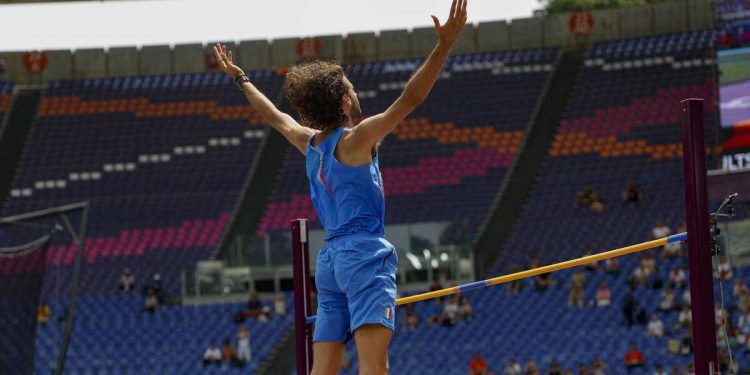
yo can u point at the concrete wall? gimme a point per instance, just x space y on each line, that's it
254 54
360 47
122 61
59 65
636 21
670 17
155 60
526 33
189 58
89 63
610 24
394 44
284 52
493 36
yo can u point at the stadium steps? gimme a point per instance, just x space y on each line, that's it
260 182
523 171
282 359
14 131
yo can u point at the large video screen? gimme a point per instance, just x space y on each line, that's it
734 95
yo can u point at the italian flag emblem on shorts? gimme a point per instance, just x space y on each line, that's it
388 312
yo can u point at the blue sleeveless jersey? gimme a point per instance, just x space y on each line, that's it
348 199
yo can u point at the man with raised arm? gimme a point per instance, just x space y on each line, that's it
355 275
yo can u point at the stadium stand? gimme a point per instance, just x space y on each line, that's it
161 158
458 143
732 23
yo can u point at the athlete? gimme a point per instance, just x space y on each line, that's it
355 275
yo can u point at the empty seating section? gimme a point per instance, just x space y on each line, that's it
112 336
458 143
162 160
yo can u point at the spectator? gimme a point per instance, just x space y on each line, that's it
640 276
244 353
661 230
543 281
465 311
152 303
672 250
253 308
435 286
156 288
212 355
603 295
655 327
675 370
597 204
598 367
612 266
739 288
719 314
660 370
512 368
515 286
555 369
411 321
593 266
582 369
43 313
724 269
449 317
648 262
531 368
677 278
229 355
477 365
632 194
687 342
634 358
632 311
667 302
279 305
577 285
583 198
686 297
127 281
685 319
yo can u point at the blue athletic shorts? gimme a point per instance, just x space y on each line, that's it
356 282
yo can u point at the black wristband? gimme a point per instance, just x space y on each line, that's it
242 78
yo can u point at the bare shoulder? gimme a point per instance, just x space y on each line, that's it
351 150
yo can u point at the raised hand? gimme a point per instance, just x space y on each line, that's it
224 60
448 34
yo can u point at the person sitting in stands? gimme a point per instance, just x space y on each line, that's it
593 266
685 319
660 370
212 355
667 302
279 305
127 281
677 278
229 355
612 266
253 308
43 313
449 317
598 367
724 268
648 262
597 204
583 198
655 327
515 286
152 303
434 310
660 230
603 295
477 365
412 319
739 288
632 194
531 368
577 285
512 368
640 276
634 358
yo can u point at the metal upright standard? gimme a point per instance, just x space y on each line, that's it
302 296
699 238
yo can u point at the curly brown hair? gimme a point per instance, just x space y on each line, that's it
315 89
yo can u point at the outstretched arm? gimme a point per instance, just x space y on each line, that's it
373 129
295 133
